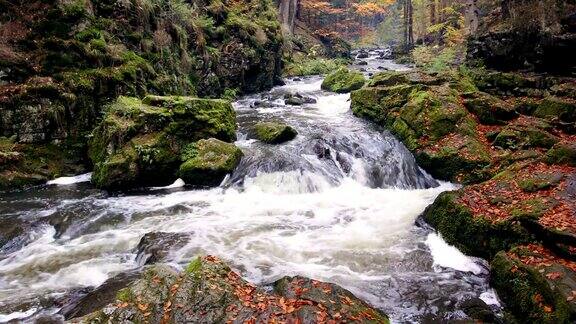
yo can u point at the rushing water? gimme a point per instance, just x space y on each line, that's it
339 203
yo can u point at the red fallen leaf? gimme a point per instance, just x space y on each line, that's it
143 307
547 309
554 275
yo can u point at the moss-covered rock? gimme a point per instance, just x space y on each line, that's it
209 291
274 132
391 78
85 57
555 108
526 133
139 142
25 165
489 109
343 81
471 233
526 292
207 162
562 153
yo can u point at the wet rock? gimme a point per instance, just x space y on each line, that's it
274 132
381 68
207 162
156 246
489 109
518 284
139 143
343 81
209 291
477 309
98 297
298 99
471 234
362 63
362 54
341 301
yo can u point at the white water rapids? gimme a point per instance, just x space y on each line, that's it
345 216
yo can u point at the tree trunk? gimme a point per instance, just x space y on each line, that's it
505 9
472 16
432 8
288 10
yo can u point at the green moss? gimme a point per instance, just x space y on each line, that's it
125 295
526 292
489 109
562 153
274 133
343 81
554 107
473 235
539 181
194 267
533 208
208 162
312 66
517 137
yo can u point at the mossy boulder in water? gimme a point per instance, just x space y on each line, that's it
208 291
207 162
530 295
274 132
139 142
343 81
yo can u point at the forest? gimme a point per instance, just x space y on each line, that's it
288 161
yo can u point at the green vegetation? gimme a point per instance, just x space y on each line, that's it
343 81
273 132
313 66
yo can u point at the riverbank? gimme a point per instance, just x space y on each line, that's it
509 138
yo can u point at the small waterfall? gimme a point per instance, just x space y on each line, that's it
338 203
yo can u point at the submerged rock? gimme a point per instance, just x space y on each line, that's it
155 247
343 81
207 162
298 100
209 291
139 143
274 132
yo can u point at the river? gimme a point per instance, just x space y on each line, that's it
339 203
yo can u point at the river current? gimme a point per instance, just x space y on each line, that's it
339 203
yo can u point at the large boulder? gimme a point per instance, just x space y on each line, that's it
139 142
274 132
430 120
207 162
343 81
208 291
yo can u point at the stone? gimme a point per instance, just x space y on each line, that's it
562 153
343 81
489 109
155 247
274 132
139 142
207 162
209 291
